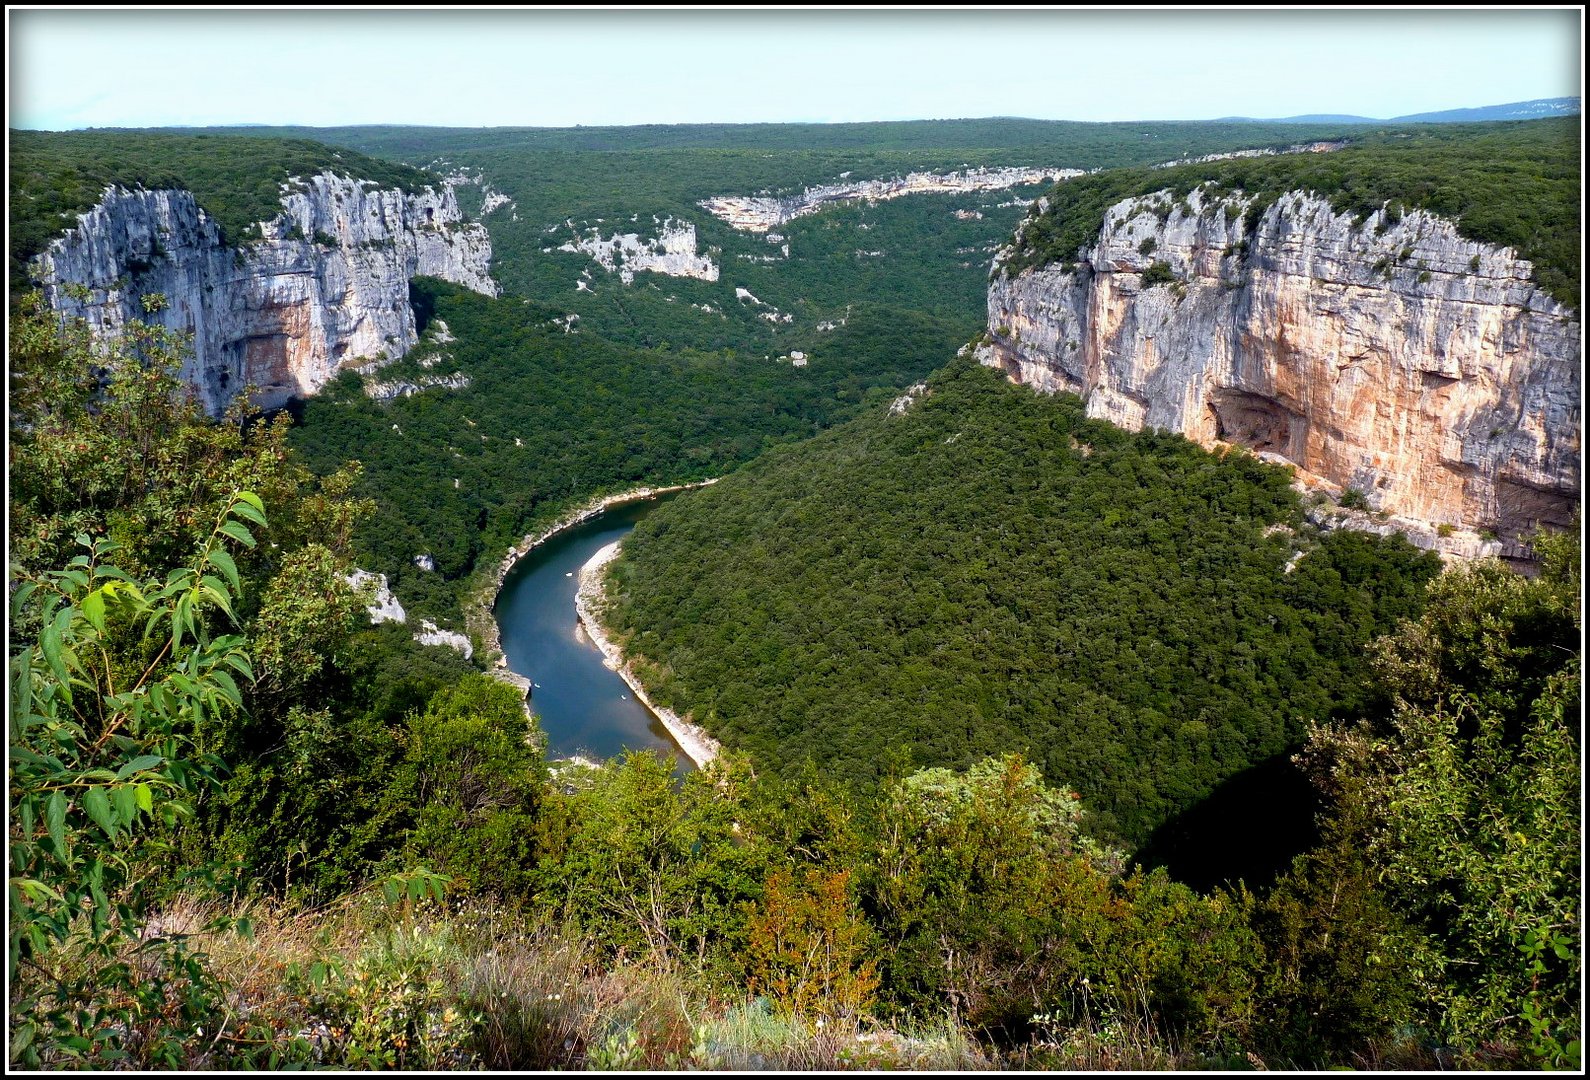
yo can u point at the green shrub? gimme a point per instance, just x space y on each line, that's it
1158 273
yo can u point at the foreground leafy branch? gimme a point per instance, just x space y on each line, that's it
107 698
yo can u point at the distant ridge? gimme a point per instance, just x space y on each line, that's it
1518 110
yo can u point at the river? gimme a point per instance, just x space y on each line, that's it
583 707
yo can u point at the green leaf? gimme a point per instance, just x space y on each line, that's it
98 807
55 821
254 504
126 802
139 764
39 892
50 642
217 594
145 796
222 560
228 687
94 609
238 532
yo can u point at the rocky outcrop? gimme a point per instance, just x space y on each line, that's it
1390 356
383 606
759 213
325 286
672 251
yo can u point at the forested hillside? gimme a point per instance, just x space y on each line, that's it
986 571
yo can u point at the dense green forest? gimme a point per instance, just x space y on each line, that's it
1513 184
248 831
1103 145
237 180
989 571
551 418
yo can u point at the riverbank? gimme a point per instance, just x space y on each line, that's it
479 619
698 746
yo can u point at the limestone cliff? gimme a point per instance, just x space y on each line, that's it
327 283
1392 357
759 213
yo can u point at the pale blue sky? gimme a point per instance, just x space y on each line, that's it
74 68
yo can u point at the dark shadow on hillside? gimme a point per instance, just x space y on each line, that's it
1248 829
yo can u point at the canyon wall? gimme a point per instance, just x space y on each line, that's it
1423 371
325 286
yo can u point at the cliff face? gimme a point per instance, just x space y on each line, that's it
1393 357
327 284
759 213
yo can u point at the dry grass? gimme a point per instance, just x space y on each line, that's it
364 984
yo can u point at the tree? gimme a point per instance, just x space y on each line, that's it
1465 802
106 699
473 779
809 945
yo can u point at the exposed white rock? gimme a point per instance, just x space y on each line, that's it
1323 147
672 251
387 391
912 395
383 606
1395 357
462 177
326 285
430 634
425 562
760 214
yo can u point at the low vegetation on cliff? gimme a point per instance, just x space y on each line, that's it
1510 184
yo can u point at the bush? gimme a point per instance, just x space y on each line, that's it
1158 273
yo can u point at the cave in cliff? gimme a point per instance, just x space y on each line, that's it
1258 422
